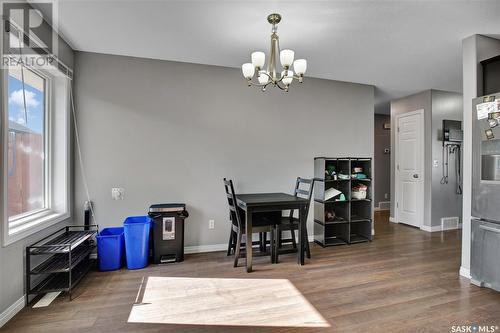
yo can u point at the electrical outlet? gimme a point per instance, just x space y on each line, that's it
211 224
118 193
386 196
435 163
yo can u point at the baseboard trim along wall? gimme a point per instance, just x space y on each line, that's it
429 228
215 247
437 228
11 311
392 219
205 248
465 272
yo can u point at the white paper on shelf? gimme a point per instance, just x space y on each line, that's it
331 193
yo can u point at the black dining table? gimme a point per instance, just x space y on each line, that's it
270 202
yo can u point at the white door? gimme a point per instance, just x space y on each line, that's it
409 168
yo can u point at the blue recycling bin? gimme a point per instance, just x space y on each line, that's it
110 248
137 230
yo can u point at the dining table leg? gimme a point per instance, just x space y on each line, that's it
248 242
302 233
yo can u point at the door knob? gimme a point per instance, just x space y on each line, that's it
415 175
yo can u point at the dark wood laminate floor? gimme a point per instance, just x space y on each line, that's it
405 281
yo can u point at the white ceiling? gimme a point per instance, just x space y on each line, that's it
401 47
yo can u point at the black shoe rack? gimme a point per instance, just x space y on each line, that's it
59 261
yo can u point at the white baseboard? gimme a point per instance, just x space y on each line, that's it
11 311
205 248
429 228
465 272
392 219
215 247
437 228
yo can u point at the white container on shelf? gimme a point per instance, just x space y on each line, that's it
358 194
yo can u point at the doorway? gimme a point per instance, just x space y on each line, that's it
409 158
382 163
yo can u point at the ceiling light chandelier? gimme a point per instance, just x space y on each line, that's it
281 79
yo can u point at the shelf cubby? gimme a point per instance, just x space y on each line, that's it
360 231
361 210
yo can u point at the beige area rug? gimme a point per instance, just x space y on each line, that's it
233 302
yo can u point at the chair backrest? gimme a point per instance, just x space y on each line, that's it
234 212
302 192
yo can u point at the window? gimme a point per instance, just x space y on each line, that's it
27 166
36 151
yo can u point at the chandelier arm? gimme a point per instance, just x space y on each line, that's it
257 84
269 76
278 85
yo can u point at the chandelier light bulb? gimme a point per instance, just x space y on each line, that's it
263 78
288 77
300 66
258 59
248 70
286 58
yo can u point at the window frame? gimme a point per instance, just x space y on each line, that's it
57 172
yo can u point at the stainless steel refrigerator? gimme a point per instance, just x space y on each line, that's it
485 247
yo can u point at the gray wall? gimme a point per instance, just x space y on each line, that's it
475 49
12 256
382 161
447 203
169 132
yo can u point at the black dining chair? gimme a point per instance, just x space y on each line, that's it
291 223
260 224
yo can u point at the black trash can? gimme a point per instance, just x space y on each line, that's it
168 232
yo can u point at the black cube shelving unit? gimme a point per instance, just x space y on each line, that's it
353 222
62 260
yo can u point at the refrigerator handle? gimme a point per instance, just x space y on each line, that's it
489 229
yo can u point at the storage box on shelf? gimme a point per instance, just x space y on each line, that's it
63 258
346 218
